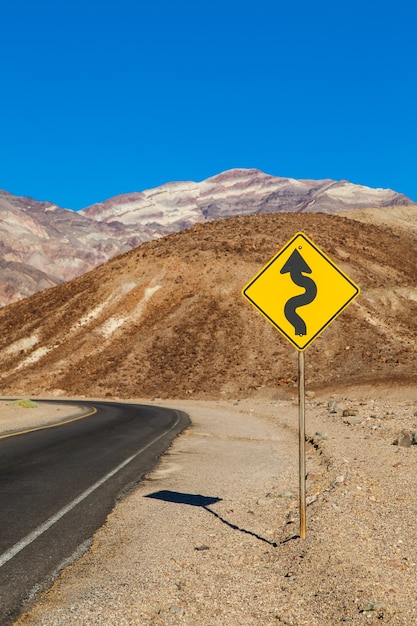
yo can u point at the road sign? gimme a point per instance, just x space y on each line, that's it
300 291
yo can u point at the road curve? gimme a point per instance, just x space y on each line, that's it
57 485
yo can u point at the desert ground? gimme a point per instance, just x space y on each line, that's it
223 547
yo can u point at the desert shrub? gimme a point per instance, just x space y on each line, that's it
25 403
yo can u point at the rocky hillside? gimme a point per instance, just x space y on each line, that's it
176 206
168 319
43 245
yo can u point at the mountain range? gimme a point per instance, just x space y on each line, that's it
43 245
167 319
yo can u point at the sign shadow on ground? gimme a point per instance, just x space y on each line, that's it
203 502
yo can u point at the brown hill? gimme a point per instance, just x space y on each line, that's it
168 319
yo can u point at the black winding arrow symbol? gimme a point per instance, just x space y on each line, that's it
297 267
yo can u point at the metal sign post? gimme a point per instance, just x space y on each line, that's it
325 292
302 444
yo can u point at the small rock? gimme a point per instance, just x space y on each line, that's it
310 394
352 421
405 439
340 479
310 500
285 494
322 435
375 606
200 548
333 406
335 507
349 412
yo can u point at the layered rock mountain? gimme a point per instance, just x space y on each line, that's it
42 245
175 206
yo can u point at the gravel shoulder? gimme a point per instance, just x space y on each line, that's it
210 536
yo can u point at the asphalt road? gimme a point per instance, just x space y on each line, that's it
57 485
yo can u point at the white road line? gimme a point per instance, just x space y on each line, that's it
23 543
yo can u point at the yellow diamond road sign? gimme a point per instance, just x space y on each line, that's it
300 291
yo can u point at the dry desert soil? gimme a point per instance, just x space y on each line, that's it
210 536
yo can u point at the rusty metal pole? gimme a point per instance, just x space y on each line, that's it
302 447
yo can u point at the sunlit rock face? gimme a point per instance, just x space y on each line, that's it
175 206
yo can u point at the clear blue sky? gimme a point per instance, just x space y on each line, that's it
100 97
